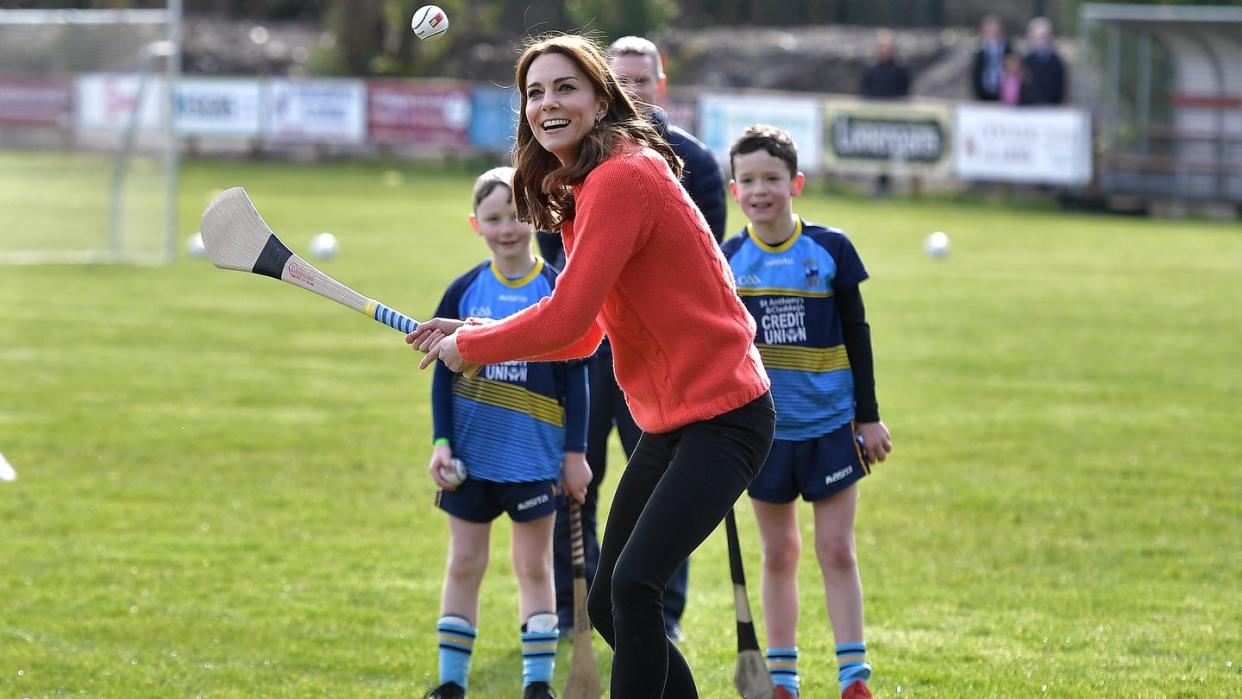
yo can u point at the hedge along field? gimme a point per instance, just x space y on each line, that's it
222 484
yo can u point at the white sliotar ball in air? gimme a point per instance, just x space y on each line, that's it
456 473
429 21
194 246
936 244
323 246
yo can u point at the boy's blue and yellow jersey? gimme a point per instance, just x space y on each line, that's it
510 423
789 289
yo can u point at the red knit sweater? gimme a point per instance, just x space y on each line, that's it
642 267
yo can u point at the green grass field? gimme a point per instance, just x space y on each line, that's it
43 196
222 490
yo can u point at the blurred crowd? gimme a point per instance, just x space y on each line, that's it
999 72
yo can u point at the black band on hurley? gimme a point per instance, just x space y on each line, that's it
272 260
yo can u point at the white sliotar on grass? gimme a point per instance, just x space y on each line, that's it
6 470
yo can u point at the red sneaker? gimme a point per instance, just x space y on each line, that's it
858 690
782 693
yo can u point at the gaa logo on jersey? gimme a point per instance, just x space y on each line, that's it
811 271
480 312
748 280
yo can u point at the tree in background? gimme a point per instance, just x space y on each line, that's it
359 28
617 18
373 37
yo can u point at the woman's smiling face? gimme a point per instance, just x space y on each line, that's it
562 105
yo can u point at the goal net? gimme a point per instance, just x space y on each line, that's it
88 154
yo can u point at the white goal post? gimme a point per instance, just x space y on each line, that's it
88 148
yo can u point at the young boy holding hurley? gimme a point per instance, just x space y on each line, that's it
520 428
800 282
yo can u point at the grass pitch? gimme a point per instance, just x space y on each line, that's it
222 484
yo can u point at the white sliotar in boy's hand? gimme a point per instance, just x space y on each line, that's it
442 468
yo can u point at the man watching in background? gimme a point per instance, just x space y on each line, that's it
637 62
885 78
989 66
1044 70
638 65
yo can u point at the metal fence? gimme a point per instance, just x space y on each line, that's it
1163 85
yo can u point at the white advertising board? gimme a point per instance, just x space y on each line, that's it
1049 145
227 107
723 118
107 102
317 110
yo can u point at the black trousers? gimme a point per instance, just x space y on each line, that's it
608 410
675 490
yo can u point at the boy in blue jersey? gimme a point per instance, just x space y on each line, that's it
800 282
519 428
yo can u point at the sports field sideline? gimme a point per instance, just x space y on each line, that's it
222 485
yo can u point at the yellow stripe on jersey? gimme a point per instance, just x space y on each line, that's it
789 242
804 358
774 291
522 280
506 395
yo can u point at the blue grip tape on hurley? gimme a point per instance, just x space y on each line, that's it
395 319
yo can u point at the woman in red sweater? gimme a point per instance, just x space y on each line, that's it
641 266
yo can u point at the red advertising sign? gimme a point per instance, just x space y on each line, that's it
417 113
37 103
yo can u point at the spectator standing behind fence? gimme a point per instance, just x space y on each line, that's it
885 78
989 65
1045 72
1015 88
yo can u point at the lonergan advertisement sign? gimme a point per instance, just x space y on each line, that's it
871 137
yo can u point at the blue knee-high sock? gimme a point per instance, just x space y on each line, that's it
539 636
852 663
783 666
456 643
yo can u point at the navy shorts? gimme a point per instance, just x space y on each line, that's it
813 468
483 501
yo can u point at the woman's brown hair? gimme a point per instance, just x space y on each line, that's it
541 185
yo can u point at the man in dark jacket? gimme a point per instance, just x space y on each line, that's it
638 65
1045 73
885 78
989 65
701 177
